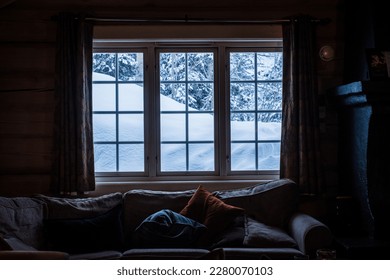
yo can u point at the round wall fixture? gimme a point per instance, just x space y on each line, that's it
326 53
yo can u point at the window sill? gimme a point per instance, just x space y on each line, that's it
176 185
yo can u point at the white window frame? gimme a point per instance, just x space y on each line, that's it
151 111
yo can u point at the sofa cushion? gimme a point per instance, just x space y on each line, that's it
271 203
259 235
207 209
77 208
167 229
14 243
100 255
164 253
139 204
22 217
233 236
245 253
74 236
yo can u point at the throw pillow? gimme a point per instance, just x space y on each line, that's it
209 210
167 228
74 236
264 236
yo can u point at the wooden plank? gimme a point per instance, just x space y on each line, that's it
20 155
27 31
24 184
25 58
26 117
27 101
40 147
16 80
26 130
26 163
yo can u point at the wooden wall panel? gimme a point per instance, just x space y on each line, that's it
24 184
27 45
27 30
27 57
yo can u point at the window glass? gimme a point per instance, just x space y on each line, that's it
118 111
255 110
187 111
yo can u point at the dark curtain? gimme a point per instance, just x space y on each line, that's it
300 150
74 161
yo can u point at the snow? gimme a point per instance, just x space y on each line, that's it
201 155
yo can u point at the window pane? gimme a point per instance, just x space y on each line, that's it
242 126
104 66
131 66
173 157
201 127
122 121
192 95
173 127
242 96
131 157
269 96
259 92
269 156
200 67
131 97
242 66
269 126
269 66
105 157
172 97
242 156
104 127
103 97
172 66
201 157
131 127
201 96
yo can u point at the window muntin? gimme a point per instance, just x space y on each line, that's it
229 145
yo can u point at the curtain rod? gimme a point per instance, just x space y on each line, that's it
188 20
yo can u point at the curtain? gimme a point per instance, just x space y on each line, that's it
300 149
73 147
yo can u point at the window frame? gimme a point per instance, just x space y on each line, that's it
186 49
256 111
152 172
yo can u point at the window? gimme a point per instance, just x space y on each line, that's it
187 111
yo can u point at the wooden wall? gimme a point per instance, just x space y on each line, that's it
27 63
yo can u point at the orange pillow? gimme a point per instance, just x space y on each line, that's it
209 210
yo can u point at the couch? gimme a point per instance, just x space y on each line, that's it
257 222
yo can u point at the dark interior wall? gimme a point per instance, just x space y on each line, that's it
27 47
367 25
359 35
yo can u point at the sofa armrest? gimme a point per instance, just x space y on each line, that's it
309 233
33 255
